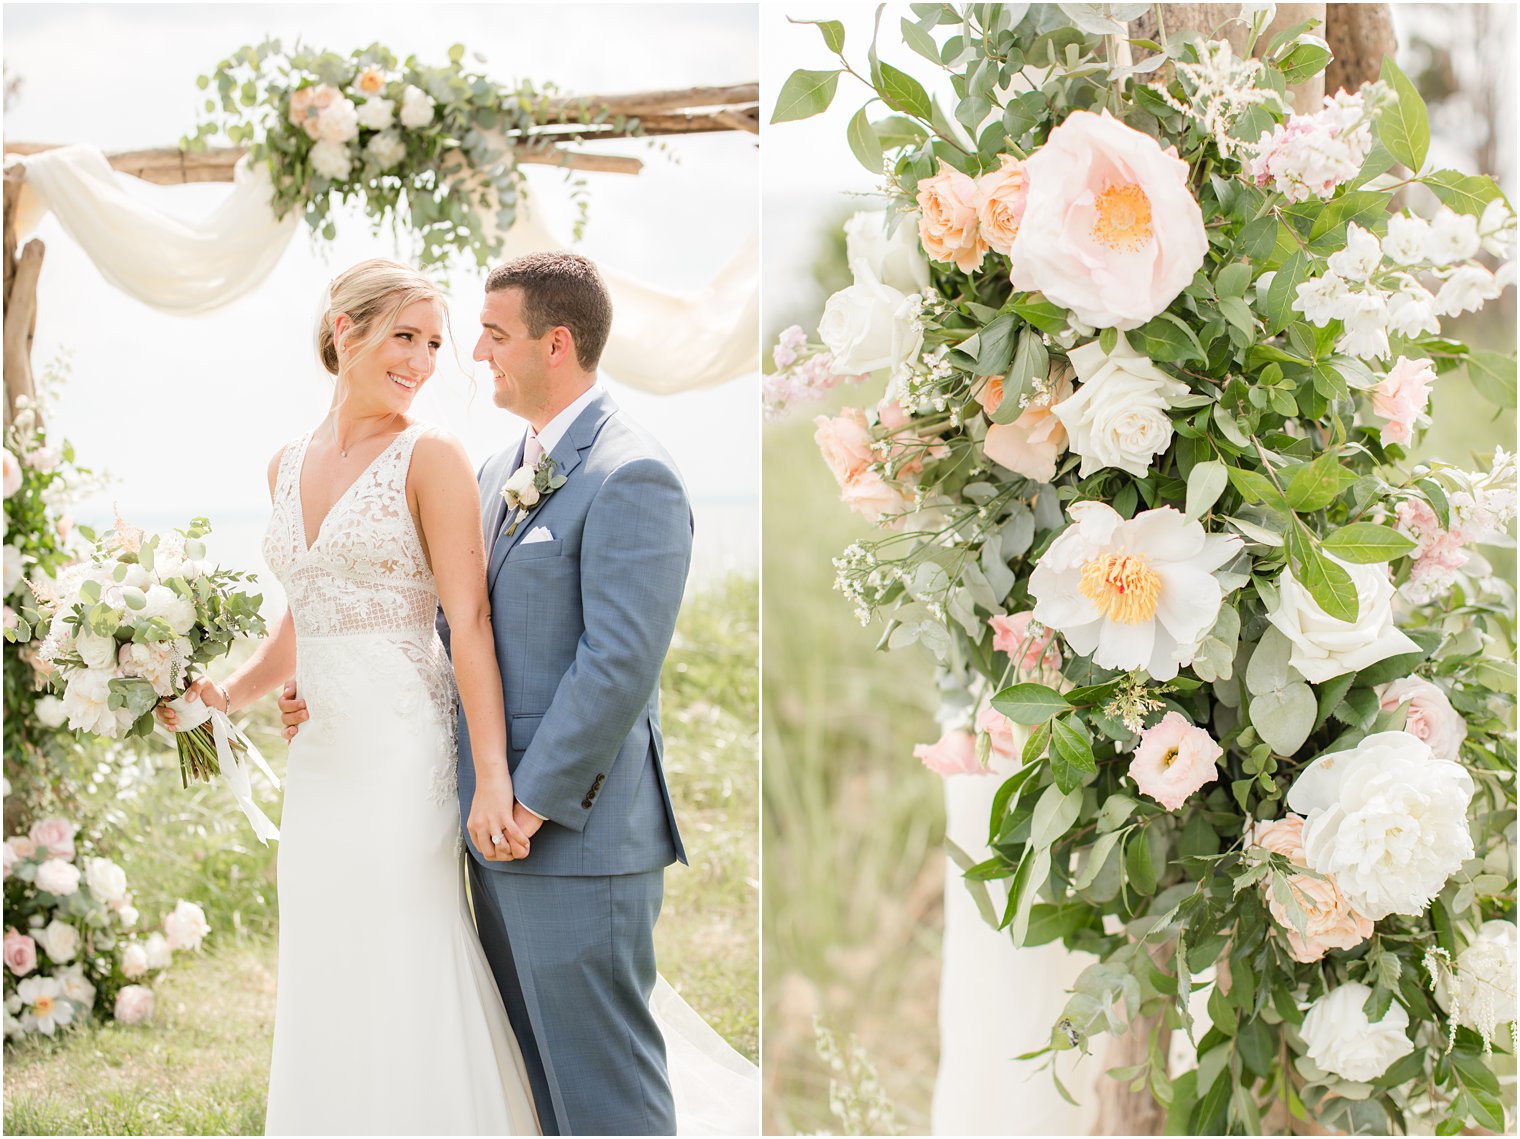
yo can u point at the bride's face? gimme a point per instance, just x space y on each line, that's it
389 376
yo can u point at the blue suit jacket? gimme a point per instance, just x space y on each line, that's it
582 623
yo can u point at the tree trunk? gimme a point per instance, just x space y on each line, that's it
1360 36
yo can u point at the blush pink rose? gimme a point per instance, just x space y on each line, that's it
947 223
1003 193
20 953
22 846
869 494
1110 229
1430 718
954 753
307 105
1174 759
134 1004
999 729
844 440
1401 397
55 835
1032 443
1329 921
1011 634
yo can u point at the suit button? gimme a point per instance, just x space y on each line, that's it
600 779
586 802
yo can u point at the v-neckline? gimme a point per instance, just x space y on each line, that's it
309 545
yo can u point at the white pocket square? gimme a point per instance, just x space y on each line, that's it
538 534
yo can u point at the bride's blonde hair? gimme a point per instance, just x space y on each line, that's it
372 293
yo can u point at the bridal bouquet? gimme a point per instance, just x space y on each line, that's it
120 633
1156 349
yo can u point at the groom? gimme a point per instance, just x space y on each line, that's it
585 581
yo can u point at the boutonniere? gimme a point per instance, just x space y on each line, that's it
529 486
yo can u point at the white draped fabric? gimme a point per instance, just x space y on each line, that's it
662 342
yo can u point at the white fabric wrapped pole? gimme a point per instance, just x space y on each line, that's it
190 715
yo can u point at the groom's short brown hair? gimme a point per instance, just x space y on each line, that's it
560 289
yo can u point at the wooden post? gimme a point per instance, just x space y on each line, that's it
20 306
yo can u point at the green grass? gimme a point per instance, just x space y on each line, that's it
202 1067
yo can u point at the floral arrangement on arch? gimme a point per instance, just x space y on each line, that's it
1155 350
71 947
433 149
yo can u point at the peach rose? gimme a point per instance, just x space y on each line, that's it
1174 759
869 494
22 846
1003 193
371 81
55 836
1401 397
1431 717
947 223
1110 229
20 953
1329 921
1032 443
954 753
1000 728
1011 634
307 105
844 441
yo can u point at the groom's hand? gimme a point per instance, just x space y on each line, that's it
292 710
492 814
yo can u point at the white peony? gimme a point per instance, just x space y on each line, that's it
1431 718
76 987
377 114
386 149
1325 647
338 121
106 880
1135 594
331 160
57 877
15 568
161 664
50 712
896 261
186 926
416 107
134 1004
59 939
1343 1041
1408 239
1387 820
1118 417
1482 994
84 700
178 611
870 325
134 961
158 952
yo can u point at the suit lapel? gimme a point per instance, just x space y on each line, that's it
493 510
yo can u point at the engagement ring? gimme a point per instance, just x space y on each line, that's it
496 839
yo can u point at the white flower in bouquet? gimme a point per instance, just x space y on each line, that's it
134 961
134 1004
1412 309
1360 257
14 1029
1453 238
128 914
12 472
186 926
14 568
59 940
1341 1039
1325 647
57 877
1482 994
1484 503
896 260
98 652
1310 155
870 325
1321 299
377 114
76 987
46 1007
1467 289
386 149
1497 229
178 611
1110 229
84 699
1118 417
338 121
106 880
1387 819
331 160
1135 594
1431 718
158 952
1365 316
1408 239
416 107
161 664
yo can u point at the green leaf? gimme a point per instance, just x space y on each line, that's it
902 92
1314 487
831 30
1205 483
1465 193
1404 128
1030 704
1166 339
1043 314
1073 746
1284 291
1268 668
1493 374
1140 870
1030 361
920 40
1054 812
1285 716
1049 923
1253 486
1365 543
1329 584
1303 60
864 144
1097 855
805 94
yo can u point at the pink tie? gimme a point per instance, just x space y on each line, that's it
533 450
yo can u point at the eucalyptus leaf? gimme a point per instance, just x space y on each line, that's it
1285 717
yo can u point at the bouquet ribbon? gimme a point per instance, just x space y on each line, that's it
191 715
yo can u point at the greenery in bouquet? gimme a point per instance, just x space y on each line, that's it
1156 351
72 949
433 150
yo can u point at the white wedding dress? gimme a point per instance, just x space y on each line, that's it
388 1020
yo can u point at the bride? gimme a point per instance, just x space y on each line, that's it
388 1019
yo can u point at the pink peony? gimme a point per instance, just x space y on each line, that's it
1431 717
1173 760
1110 230
55 836
1011 634
1032 443
999 729
1401 397
954 753
947 225
20 953
134 1004
1003 193
1329 921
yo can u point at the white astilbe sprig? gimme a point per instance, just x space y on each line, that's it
1221 87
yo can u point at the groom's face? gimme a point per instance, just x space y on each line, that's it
518 362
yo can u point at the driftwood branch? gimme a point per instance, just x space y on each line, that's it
640 105
20 308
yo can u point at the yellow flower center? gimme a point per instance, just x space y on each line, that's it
1123 221
43 1006
1123 587
1169 758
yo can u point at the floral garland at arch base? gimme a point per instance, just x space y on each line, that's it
1156 350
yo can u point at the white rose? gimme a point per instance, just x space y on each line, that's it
15 569
386 149
128 915
76 987
338 121
1387 820
60 939
1342 1040
1325 647
331 160
98 652
1482 994
416 107
1431 717
158 952
529 495
57 877
869 326
50 712
377 114
517 482
139 578
896 261
107 881
1407 240
1118 416
84 700
178 611
186 926
134 961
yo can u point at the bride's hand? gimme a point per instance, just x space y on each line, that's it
203 689
491 814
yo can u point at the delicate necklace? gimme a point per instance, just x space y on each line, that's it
342 450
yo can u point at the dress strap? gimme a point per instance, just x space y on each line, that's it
290 465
